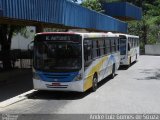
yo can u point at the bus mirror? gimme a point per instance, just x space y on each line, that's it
31 46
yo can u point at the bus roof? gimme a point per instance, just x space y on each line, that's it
127 35
85 35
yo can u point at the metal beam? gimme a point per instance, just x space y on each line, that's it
60 13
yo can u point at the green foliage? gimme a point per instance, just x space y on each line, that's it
149 27
93 5
22 31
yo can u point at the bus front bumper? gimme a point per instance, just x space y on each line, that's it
58 86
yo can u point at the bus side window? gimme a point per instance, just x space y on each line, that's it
129 46
113 45
129 43
94 48
87 50
132 43
98 48
118 44
104 46
107 45
101 47
135 42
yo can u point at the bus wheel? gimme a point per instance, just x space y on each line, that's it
95 83
113 71
136 57
129 62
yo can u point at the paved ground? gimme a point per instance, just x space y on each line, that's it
136 90
14 83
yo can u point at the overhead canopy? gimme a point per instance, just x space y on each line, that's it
58 12
1 12
123 11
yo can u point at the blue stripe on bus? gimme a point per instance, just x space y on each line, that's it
57 77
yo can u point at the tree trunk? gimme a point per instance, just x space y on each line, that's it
5 38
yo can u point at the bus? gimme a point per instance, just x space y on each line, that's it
70 61
129 48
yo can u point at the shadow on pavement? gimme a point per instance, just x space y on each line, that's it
152 74
126 67
16 83
59 95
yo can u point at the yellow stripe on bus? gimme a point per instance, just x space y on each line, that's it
96 68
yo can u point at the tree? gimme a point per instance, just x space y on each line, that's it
149 25
93 5
6 35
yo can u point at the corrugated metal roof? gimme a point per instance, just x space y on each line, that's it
1 8
60 12
1 12
123 10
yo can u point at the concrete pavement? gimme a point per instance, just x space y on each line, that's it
15 82
135 90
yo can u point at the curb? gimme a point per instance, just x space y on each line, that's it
16 99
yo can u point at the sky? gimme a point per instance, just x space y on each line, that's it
79 1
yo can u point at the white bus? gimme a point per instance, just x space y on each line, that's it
65 61
129 48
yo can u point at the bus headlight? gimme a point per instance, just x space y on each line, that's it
36 76
78 77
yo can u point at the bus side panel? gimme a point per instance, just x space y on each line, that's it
103 67
133 54
117 61
108 65
94 67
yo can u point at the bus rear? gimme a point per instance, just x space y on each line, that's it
129 48
57 62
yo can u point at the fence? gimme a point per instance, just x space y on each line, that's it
152 49
20 59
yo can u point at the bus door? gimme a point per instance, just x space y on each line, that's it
123 46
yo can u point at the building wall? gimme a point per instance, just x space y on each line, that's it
152 49
20 42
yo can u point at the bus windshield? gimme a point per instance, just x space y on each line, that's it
57 55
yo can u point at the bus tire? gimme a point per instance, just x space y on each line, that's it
95 83
136 57
129 62
113 71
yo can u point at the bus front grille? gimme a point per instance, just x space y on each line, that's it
58 77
